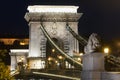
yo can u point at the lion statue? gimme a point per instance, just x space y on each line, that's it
93 44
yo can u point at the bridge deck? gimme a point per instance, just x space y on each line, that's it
49 74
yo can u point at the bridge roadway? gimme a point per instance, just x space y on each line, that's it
67 74
58 77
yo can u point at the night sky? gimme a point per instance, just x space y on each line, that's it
100 16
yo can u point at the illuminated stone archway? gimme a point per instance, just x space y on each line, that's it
54 20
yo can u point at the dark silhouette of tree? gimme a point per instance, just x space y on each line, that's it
4 69
16 42
1 43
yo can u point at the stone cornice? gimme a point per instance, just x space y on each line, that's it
19 54
53 17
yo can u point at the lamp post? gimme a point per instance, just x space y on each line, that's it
21 65
61 61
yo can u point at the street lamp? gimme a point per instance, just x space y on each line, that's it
81 54
106 50
79 59
61 61
22 58
49 59
53 50
21 65
60 57
56 61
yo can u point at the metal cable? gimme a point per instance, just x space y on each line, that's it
68 58
78 37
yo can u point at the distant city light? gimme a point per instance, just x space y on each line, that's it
22 43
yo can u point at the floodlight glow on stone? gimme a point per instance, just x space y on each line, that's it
81 54
18 50
63 9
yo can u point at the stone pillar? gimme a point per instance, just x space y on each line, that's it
13 63
34 39
54 20
93 66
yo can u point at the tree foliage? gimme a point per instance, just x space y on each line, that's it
4 69
5 72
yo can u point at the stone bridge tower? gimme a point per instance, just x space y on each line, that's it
54 19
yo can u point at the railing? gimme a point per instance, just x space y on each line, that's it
113 60
59 77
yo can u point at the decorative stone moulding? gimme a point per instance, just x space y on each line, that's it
58 9
53 13
58 17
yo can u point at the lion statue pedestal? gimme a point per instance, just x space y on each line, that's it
93 60
93 66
